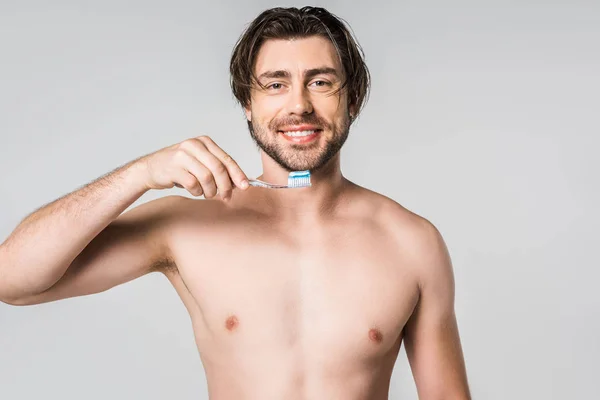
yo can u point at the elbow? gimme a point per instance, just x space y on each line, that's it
14 301
9 292
11 299
7 296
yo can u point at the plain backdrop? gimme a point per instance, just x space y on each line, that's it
483 118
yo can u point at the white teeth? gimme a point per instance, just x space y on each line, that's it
298 133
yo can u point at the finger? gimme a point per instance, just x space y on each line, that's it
203 174
235 172
220 173
184 179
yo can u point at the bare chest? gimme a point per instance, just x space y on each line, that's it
341 295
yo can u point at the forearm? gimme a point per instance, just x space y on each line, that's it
41 248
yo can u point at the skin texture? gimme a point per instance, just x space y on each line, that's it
293 294
300 97
317 305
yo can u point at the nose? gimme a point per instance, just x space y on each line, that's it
299 101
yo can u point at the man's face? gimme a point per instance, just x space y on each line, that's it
297 120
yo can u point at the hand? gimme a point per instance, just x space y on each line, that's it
196 164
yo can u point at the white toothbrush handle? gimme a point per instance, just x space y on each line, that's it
258 183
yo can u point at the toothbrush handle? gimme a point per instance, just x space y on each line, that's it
258 183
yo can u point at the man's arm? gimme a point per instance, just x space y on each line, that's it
431 336
131 246
81 244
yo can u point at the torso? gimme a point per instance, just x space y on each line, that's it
293 312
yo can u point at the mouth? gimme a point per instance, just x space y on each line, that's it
301 136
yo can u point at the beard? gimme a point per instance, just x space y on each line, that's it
295 157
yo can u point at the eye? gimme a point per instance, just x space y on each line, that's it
272 86
321 83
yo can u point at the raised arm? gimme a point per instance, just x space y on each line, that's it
432 339
82 243
129 247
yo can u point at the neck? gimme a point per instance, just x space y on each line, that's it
318 200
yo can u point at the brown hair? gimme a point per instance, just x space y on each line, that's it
292 23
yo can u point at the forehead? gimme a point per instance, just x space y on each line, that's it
296 54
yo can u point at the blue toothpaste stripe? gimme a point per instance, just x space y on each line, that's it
299 174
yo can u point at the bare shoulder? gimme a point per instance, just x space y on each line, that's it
183 220
393 216
173 209
157 221
419 240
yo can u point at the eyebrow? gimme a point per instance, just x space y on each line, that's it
308 73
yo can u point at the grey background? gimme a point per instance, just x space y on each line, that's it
483 118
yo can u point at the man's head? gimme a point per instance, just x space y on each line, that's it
294 67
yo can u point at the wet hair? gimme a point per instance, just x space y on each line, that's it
294 23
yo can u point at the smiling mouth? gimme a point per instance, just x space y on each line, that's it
301 137
300 134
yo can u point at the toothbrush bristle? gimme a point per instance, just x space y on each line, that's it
299 179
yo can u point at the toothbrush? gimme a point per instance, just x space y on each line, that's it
296 179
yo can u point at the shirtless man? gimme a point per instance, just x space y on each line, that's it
293 293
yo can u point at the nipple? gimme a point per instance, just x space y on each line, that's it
231 323
376 335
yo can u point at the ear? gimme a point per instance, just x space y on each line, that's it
352 111
248 113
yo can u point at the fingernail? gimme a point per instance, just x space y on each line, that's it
244 184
